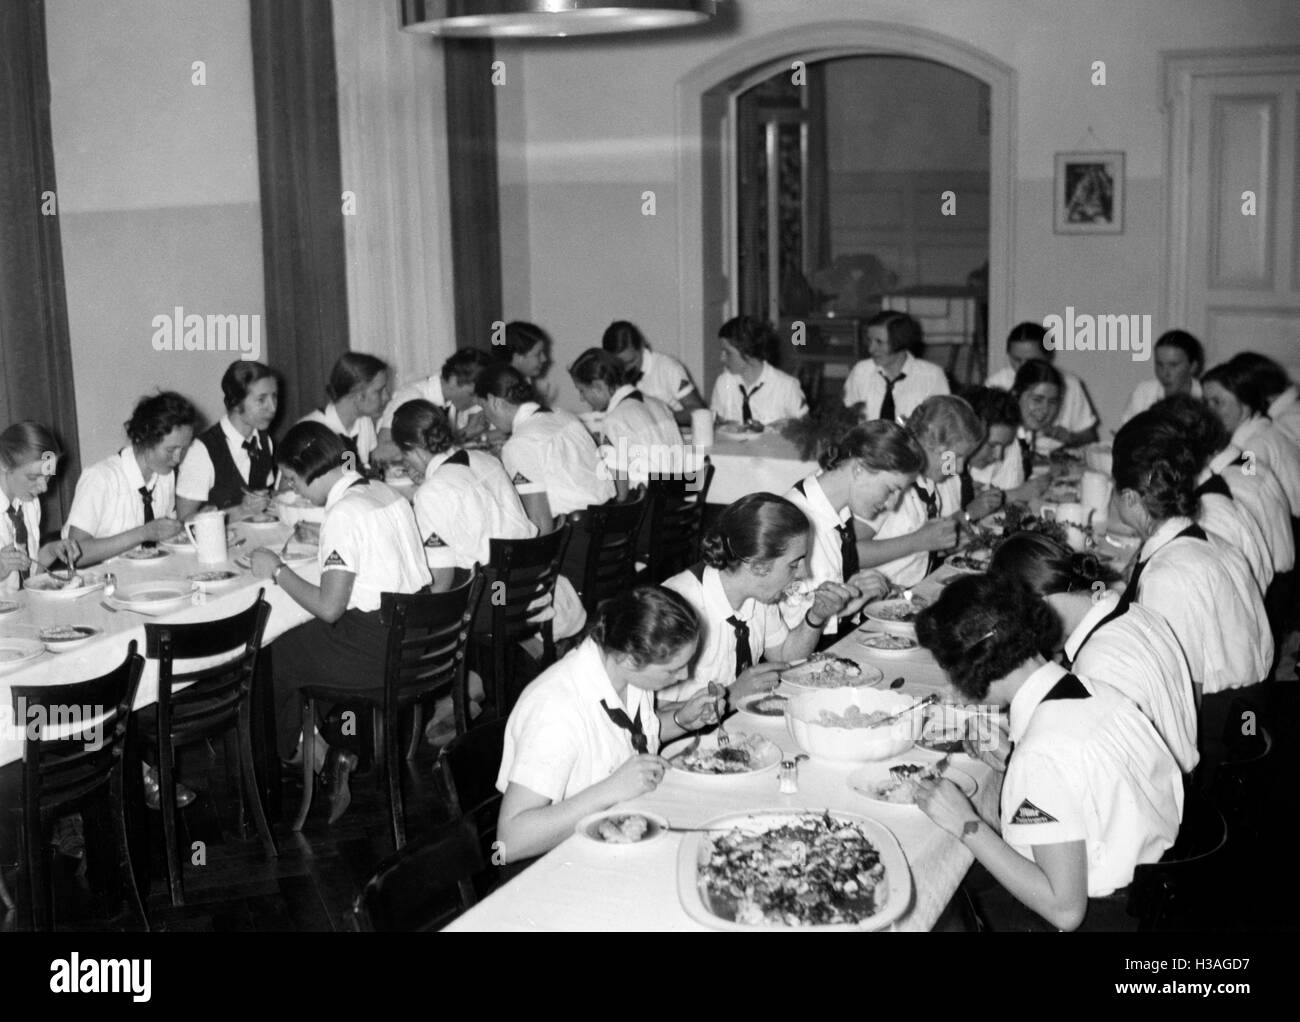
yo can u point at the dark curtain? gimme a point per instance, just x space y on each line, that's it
35 352
302 205
818 171
475 209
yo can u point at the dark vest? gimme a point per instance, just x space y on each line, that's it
228 485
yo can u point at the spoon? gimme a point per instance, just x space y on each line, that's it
932 698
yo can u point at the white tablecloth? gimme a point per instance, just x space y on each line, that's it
584 886
769 462
108 649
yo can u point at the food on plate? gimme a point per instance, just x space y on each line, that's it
899 610
213 576
853 717
731 760
881 640
65 633
766 706
143 553
50 584
814 871
971 560
623 830
825 671
261 518
900 787
741 428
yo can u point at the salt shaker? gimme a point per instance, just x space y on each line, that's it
110 583
789 777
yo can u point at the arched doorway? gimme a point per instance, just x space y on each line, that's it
705 106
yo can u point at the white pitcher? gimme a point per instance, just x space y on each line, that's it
207 531
1077 519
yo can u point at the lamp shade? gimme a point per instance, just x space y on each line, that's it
524 18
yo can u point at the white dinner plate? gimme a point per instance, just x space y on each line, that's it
881 611
765 758
144 557
697 848
61 638
869 634
774 711
181 544
45 587
161 597
735 434
9 607
867 779
799 679
295 557
16 652
589 828
216 579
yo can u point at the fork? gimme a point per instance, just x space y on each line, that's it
724 739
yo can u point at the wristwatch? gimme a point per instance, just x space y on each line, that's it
968 828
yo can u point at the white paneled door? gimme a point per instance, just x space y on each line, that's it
1234 257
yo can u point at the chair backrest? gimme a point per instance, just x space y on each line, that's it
427 636
1179 891
424 886
469 765
89 720
675 520
519 572
611 547
810 376
1243 787
211 702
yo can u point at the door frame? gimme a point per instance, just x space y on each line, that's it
1179 72
704 156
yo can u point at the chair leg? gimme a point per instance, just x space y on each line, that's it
6 899
417 728
124 849
167 796
378 743
248 779
396 810
308 762
39 896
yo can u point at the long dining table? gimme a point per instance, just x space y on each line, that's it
119 627
581 885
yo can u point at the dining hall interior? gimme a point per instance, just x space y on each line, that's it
669 466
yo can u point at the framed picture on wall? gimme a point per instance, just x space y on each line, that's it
1088 193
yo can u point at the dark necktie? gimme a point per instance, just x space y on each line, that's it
1215 484
744 658
967 487
259 464
931 502
747 416
1192 531
636 395
849 549
1027 445
146 495
15 513
1119 610
887 405
619 716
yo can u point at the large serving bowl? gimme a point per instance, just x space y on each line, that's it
851 744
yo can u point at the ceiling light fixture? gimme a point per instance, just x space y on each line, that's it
529 18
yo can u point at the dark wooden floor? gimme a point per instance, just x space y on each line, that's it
310 887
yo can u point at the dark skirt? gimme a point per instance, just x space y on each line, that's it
347 654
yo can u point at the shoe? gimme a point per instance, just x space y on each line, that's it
153 791
338 765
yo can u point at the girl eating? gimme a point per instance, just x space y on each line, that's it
1090 790
585 735
901 543
1129 647
756 549
128 499
29 457
549 456
233 463
369 545
864 474
358 393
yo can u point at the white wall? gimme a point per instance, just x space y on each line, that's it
158 194
589 125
